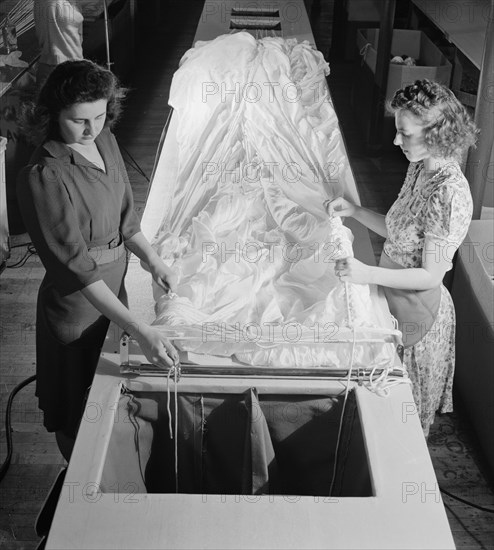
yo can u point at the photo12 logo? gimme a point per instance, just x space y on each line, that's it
254 92
462 13
252 332
422 491
254 172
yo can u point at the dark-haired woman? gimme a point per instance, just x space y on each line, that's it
423 229
77 205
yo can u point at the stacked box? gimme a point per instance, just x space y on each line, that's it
359 14
431 64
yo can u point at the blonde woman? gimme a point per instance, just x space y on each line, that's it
423 230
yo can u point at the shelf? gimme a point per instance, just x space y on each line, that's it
463 24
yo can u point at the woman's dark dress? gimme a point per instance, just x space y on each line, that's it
76 215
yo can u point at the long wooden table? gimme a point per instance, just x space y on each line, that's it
404 511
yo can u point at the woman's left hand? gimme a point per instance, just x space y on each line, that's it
351 270
164 276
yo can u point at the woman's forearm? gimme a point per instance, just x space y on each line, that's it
103 299
139 245
163 276
405 279
155 346
371 220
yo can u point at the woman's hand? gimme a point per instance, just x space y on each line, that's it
339 207
350 270
150 261
157 348
163 276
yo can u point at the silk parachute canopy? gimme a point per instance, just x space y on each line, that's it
245 228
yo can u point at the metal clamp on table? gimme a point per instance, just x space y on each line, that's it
133 361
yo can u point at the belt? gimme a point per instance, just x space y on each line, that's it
108 252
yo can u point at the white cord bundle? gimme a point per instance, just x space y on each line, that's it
173 371
21 16
381 384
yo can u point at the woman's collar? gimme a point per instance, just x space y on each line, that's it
59 149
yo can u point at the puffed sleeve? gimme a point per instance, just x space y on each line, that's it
52 225
129 220
447 216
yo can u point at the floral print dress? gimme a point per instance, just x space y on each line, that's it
437 207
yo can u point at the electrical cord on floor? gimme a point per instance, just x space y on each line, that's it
31 251
490 510
8 424
21 244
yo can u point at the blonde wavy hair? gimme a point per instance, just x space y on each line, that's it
448 128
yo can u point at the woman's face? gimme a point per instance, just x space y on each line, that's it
81 123
410 136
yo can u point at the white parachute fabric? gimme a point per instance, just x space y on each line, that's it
246 231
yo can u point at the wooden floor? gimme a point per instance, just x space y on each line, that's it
36 461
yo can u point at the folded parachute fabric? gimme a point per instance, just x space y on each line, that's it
246 231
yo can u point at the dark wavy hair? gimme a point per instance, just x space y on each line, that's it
70 83
448 128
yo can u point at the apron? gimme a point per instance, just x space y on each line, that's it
70 333
415 310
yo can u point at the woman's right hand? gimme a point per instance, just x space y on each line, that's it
340 207
156 347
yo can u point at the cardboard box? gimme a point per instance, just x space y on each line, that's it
359 14
431 63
